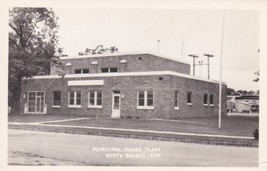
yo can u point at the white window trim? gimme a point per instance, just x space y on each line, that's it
145 101
75 100
95 100
189 104
176 107
211 104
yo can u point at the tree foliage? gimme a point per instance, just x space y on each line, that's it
32 47
100 49
257 73
231 91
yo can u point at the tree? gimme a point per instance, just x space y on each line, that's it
230 91
32 47
257 73
99 50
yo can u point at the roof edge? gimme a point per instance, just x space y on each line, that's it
123 53
116 74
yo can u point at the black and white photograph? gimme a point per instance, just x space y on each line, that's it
127 86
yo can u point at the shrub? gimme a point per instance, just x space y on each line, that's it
256 134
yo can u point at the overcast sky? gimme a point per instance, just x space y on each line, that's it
199 30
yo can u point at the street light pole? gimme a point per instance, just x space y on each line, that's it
208 56
194 62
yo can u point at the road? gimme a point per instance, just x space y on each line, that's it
111 151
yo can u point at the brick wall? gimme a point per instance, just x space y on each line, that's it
163 90
138 62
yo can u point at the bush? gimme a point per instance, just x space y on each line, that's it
256 134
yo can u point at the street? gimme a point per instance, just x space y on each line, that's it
110 151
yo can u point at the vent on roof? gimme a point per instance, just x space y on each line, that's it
68 64
140 58
94 63
123 61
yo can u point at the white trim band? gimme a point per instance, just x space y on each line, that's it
117 74
85 82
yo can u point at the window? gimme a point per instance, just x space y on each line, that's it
189 98
149 98
211 100
176 100
57 99
145 100
113 70
81 71
95 99
141 98
75 99
36 102
106 70
205 99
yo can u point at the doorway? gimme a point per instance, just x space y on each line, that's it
116 104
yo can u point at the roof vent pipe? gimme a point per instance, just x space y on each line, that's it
158 46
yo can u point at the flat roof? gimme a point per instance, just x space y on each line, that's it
122 54
118 74
247 97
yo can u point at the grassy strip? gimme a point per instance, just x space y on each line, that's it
138 135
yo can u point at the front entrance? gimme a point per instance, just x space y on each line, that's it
116 105
36 102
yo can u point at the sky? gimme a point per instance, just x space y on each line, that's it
181 32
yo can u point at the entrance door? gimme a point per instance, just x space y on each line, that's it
116 105
36 102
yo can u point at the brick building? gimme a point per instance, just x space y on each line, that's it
122 85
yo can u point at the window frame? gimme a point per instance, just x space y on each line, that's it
109 70
35 101
75 105
205 100
95 105
82 71
176 100
189 103
145 100
211 99
54 105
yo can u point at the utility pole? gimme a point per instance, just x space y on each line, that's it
221 60
194 62
208 56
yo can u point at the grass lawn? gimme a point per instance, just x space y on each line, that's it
238 126
230 126
235 126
